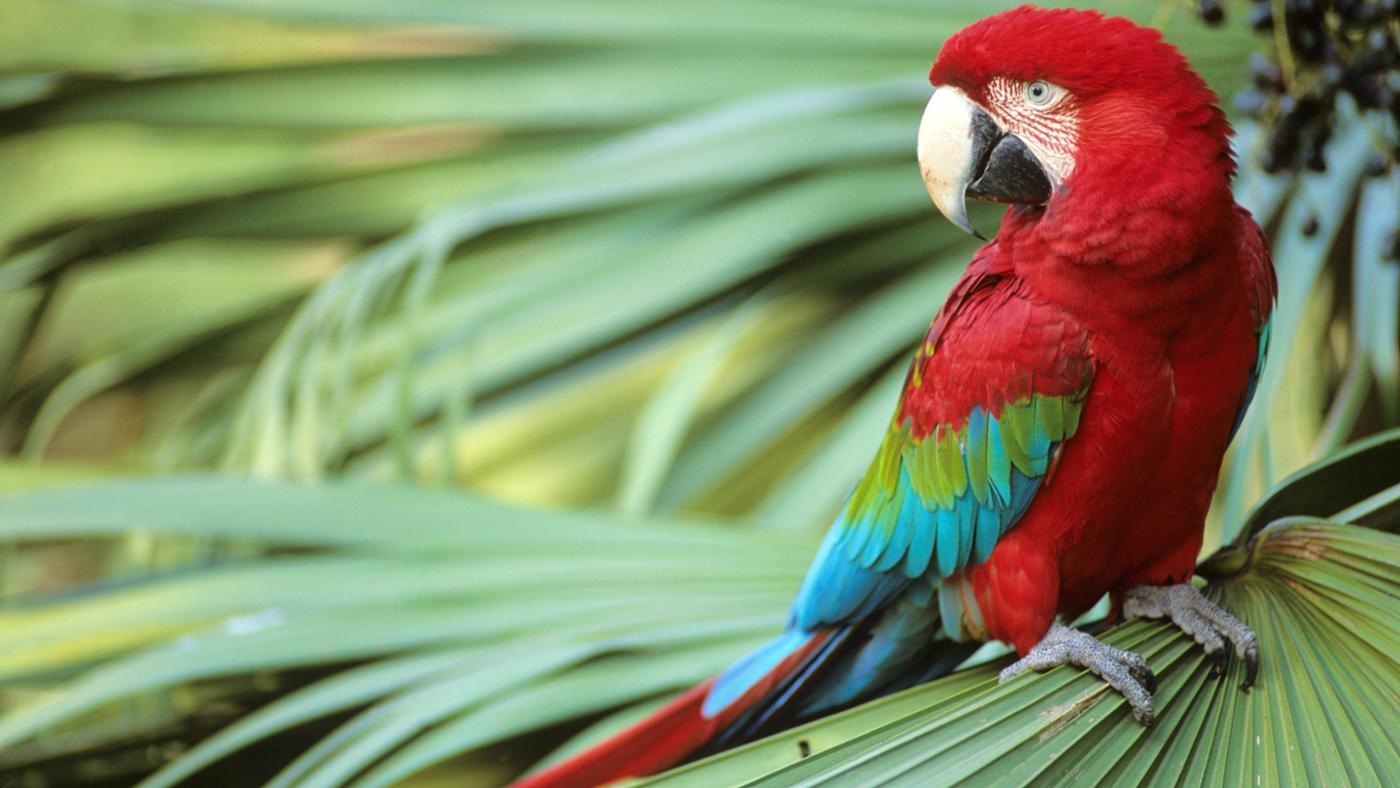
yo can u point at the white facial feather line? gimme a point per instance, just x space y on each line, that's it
1050 133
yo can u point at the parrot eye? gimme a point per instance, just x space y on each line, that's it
1041 94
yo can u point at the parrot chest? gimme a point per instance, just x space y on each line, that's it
1161 436
1082 531
1126 501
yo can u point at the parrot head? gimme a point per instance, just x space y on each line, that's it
1064 108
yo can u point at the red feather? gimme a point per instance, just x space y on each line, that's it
1144 255
657 742
667 736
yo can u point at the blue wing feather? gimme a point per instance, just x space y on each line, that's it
893 523
921 546
998 463
954 474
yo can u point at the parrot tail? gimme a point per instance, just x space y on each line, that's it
702 718
801 675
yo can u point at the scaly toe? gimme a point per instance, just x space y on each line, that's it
1145 715
1209 624
1124 671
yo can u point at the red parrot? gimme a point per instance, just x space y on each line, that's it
1062 425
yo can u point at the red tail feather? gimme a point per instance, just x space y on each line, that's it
660 741
666 736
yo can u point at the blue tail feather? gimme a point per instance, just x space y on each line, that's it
740 677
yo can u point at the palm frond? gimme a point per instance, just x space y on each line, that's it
630 271
576 162
483 622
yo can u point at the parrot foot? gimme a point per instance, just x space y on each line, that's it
1200 618
1123 670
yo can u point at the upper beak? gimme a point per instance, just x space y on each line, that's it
963 152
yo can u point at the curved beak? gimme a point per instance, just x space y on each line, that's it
962 152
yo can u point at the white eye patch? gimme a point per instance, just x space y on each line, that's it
1041 114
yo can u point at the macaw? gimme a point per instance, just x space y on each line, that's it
1062 424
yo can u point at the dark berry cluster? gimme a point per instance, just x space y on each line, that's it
1333 47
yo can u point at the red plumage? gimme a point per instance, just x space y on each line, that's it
1168 278
1140 279
656 743
666 736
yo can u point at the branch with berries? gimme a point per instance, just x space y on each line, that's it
1323 49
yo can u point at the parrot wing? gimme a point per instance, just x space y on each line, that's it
997 385
1263 288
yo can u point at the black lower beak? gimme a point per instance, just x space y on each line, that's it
1006 170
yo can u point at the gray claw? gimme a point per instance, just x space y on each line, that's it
1123 670
1200 618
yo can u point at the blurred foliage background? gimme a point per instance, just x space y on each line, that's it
606 270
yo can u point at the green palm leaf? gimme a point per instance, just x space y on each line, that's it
1319 712
553 148
626 265
481 623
